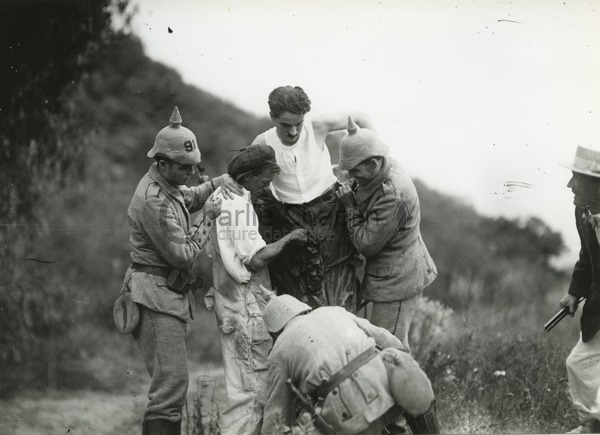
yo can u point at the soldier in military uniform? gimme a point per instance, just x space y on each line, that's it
164 245
383 217
353 377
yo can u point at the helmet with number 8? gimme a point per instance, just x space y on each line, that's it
176 142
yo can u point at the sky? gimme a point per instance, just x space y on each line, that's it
478 99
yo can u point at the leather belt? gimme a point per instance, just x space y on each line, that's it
153 270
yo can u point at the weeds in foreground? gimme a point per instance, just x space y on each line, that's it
487 381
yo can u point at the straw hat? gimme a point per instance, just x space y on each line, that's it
586 162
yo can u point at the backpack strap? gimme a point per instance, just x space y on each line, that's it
345 372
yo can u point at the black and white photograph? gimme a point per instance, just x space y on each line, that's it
223 217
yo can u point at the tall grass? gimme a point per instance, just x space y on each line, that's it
493 369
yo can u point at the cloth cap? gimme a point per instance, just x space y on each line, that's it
250 159
280 310
176 142
358 144
586 161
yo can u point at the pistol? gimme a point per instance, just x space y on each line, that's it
558 317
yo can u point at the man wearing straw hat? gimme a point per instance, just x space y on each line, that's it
583 367
164 244
321 272
240 288
383 215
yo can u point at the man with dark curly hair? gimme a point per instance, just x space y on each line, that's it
321 272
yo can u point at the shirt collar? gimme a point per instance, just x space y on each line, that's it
164 184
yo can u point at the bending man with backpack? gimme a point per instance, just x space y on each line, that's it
357 376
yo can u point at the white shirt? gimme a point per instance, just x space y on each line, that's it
306 171
237 235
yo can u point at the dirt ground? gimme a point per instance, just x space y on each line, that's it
94 412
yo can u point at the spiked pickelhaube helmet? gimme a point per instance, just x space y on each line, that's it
358 144
176 142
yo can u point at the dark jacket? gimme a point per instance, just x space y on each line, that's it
586 276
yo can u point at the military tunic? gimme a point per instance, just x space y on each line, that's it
162 235
310 350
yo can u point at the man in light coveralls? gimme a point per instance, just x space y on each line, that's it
240 288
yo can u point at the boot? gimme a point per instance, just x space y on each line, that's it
160 426
588 426
425 423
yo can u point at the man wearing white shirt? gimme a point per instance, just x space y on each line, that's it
240 288
322 272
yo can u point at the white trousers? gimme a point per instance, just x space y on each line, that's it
583 371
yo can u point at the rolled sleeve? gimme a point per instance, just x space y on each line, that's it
243 228
238 237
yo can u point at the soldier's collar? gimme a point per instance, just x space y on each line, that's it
365 192
164 184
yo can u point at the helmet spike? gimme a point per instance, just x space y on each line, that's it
175 119
352 126
358 144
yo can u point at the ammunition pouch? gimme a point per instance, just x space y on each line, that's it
178 281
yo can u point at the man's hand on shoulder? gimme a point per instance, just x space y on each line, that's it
228 185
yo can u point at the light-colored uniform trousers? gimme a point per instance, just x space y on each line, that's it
583 371
161 339
396 317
